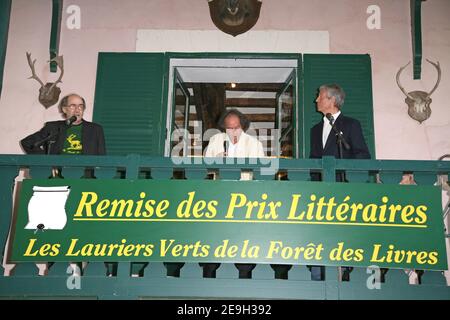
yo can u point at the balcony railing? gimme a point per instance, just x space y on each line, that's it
127 280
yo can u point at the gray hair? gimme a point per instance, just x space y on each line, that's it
333 90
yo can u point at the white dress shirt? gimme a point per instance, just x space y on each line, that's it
246 147
327 128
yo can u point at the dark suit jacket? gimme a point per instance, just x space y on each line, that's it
93 139
352 132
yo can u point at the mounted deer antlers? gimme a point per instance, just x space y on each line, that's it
419 101
48 93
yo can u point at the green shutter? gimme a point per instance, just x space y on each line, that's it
129 102
354 74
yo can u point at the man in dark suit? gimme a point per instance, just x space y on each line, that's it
71 136
323 139
324 142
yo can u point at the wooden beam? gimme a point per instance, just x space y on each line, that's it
261 117
237 102
258 87
255 117
249 102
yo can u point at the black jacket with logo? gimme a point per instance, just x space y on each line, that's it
93 139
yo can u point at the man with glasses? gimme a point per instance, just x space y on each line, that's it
71 136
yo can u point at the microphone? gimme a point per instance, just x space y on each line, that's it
225 147
339 134
71 120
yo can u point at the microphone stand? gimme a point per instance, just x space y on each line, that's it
225 148
49 140
341 142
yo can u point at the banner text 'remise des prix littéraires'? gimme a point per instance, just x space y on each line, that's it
240 221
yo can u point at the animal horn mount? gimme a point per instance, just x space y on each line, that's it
49 92
419 101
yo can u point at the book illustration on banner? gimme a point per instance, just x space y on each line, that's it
47 208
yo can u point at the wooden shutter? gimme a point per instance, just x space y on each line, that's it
129 102
353 73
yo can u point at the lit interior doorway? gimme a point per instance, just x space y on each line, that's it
200 90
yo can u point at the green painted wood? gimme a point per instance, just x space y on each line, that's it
423 178
26 270
356 176
95 269
59 268
105 173
144 173
5 10
416 35
297 175
433 278
25 284
226 271
299 273
197 174
57 7
298 147
155 270
353 73
391 177
40 172
129 101
73 172
7 175
161 173
132 171
257 175
263 272
329 171
124 270
192 271
138 268
230 174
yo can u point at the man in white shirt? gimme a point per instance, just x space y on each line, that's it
234 142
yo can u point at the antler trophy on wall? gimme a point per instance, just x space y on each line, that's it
48 93
234 16
419 101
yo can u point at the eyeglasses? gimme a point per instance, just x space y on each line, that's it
74 106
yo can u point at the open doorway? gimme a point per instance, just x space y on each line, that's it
264 90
